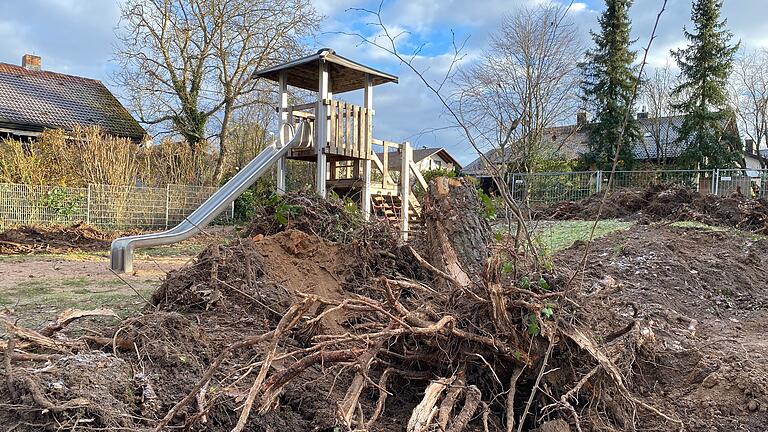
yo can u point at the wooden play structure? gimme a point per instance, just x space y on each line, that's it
342 144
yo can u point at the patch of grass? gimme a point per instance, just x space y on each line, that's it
171 250
32 288
78 282
553 236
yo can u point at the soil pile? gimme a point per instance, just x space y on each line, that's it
79 237
700 300
674 203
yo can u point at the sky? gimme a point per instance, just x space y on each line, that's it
78 37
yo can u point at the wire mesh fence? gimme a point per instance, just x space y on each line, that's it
553 187
104 206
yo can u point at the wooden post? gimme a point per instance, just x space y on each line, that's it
282 131
321 127
366 192
405 187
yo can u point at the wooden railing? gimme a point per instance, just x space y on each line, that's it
350 130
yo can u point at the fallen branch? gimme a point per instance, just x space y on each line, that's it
69 315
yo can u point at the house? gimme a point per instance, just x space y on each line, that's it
658 144
32 100
426 158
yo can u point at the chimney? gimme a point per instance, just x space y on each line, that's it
581 118
31 62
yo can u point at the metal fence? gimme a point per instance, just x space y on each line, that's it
555 187
104 206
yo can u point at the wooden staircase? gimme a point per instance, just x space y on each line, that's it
390 208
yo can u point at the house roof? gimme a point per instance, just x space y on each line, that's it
419 155
36 100
346 75
572 142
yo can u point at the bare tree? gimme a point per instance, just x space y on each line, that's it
658 101
749 96
187 64
523 84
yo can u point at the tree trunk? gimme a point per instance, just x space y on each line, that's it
218 173
457 233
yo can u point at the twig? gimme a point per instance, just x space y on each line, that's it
134 289
510 405
536 384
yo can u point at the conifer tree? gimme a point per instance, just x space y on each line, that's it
705 65
608 87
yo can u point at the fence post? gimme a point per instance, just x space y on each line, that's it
716 181
599 181
88 205
167 203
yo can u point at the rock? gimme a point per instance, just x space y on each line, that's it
554 426
753 405
710 381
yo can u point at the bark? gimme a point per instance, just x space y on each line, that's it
457 233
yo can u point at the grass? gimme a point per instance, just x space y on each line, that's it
39 300
553 236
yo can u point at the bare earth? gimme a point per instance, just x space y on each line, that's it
35 288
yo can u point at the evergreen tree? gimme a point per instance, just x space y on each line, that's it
608 86
705 65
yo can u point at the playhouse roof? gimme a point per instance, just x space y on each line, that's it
346 75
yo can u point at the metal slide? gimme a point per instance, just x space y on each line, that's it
122 248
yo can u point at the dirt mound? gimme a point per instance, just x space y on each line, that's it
668 203
700 300
59 239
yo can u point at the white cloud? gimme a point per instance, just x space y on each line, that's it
577 7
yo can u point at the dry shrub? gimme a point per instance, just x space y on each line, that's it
88 155
173 162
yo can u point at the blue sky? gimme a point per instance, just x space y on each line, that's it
77 37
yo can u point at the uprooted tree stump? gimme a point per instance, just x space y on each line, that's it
456 233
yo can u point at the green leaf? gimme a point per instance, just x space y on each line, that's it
507 268
525 282
543 284
547 311
533 326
